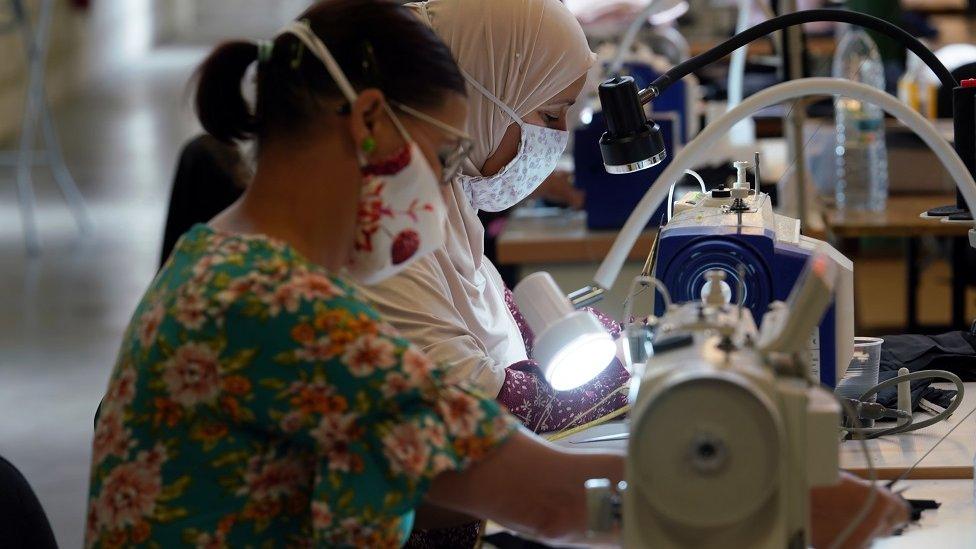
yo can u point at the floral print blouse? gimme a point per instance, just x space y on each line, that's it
258 401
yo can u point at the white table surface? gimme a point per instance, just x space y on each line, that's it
951 525
953 459
893 454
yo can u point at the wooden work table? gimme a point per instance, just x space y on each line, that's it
559 236
902 218
952 525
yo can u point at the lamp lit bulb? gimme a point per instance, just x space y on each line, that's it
581 360
571 346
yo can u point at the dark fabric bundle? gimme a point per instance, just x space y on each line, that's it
954 352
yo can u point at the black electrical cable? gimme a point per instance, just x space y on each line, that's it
797 18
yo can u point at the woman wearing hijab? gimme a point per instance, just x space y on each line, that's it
525 62
257 399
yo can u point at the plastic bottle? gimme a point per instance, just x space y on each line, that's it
862 160
918 87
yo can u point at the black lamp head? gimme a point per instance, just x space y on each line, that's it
631 142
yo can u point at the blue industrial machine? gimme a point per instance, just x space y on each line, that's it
762 255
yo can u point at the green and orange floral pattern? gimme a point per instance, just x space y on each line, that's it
258 401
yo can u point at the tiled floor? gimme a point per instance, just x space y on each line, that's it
63 313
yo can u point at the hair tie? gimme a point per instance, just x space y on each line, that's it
265 50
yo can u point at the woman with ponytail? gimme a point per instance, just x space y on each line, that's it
257 399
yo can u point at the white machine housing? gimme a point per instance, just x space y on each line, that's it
724 446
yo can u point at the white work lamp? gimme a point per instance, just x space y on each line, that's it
571 346
632 144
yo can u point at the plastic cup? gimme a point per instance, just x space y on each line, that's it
862 373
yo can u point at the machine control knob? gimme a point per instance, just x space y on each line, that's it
602 506
740 174
716 292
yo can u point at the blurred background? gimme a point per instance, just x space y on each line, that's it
115 78
117 75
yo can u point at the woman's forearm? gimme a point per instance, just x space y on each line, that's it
530 486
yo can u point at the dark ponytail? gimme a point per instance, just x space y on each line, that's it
220 105
378 43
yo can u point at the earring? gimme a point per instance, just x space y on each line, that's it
369 144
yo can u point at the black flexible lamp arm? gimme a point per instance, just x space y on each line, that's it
633 143
798 18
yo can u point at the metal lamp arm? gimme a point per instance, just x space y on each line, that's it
610 268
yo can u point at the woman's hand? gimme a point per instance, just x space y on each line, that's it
833 507
529 486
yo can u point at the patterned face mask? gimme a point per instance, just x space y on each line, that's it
401 216
538 153
401 213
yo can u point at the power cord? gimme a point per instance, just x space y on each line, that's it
692 173
872 473
910 426
908 471
872 478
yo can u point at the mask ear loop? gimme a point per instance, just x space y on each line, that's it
491 97
303 32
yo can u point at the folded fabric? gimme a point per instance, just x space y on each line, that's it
952 351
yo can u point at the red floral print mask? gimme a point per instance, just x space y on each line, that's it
401 216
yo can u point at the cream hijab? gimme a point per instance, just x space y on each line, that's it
452 303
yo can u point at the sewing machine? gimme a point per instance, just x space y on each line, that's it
727 433
735 231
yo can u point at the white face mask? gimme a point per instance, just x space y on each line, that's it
539 151
401 214
401 217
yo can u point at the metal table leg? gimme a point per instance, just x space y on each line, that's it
72 196
37 112
912 280
959 256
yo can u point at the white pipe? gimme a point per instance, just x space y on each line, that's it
744 131
700 145
737 65
701 183
630 35
652 8
672 35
